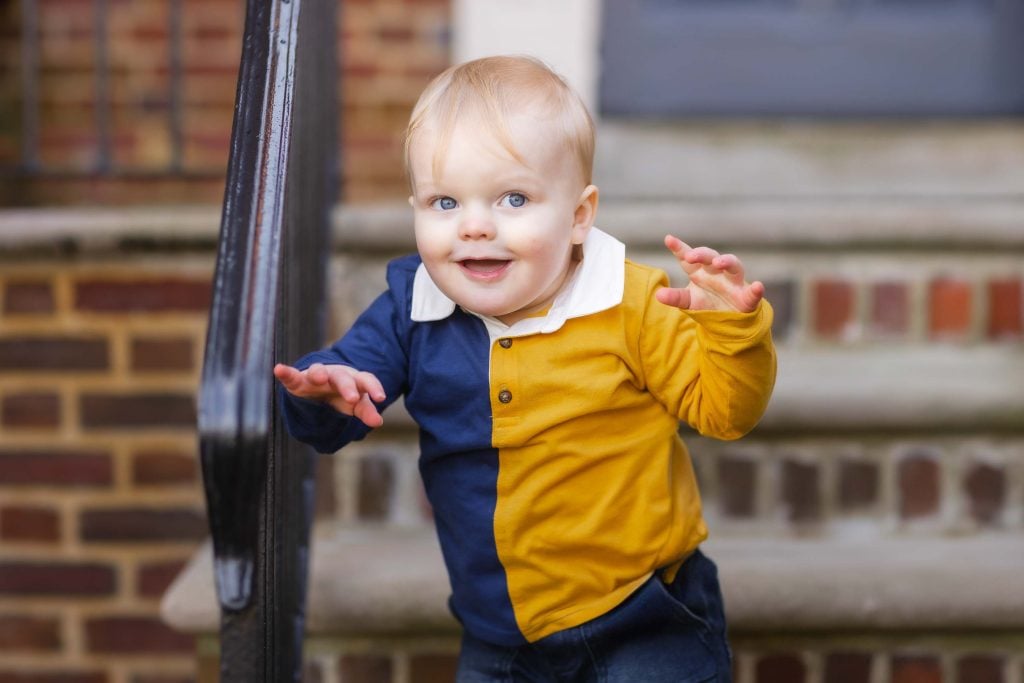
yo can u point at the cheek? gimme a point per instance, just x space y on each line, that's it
430 241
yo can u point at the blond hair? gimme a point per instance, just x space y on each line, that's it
491 89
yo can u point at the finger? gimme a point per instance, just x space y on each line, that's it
680 249
755 292
676 245
729 263
367 412
317 374
702 255
344 383
673 296
367 383
289 377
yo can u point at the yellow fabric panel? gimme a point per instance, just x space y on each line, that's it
595 488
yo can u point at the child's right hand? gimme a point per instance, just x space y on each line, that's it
345 389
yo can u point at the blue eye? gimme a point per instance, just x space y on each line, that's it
444 204
514 199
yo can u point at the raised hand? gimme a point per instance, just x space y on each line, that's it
716 281
345 389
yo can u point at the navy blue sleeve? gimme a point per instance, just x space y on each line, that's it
378 343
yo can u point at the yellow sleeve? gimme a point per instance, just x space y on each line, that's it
713 369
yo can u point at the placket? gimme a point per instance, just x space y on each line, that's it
506 395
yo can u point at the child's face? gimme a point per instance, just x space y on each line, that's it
494 233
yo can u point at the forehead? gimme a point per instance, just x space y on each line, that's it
523 139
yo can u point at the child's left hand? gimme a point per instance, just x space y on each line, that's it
716 281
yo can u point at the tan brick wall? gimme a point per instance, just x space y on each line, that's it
388 50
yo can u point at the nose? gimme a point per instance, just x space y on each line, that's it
476 225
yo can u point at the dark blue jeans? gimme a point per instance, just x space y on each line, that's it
662 633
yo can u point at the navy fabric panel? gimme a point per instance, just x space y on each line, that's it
462 490
442 369
449 392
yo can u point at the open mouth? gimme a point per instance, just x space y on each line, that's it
484 267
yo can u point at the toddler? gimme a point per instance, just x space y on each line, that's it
548 374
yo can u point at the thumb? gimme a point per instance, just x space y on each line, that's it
673 296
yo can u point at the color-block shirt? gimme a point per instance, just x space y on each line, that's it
549 448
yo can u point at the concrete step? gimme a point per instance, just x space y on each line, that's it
374 582
885 158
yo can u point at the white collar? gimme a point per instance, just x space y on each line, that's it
597 285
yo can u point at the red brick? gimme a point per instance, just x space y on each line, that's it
1005 309
55 468
376 487
164 468
392 34
81 579
985 486
980 669
833 307
431 668
139 525
916 669
847 667
153 579
858 484
919 486
135 635
162 355
365 668
36 352
29 296
130 296
737 483
31 411
23 676
137 411
949 309
780 668
800 491
890 309
29 523
34 634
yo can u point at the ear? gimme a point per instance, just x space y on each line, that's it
584 215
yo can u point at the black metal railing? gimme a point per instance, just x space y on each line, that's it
268 304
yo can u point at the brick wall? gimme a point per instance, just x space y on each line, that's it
388 50
100 504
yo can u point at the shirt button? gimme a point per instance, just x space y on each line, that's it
505 343
505 396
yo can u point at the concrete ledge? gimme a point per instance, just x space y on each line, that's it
935 388
373 583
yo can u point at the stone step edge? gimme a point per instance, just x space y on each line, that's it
923 223
941 388
368 583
